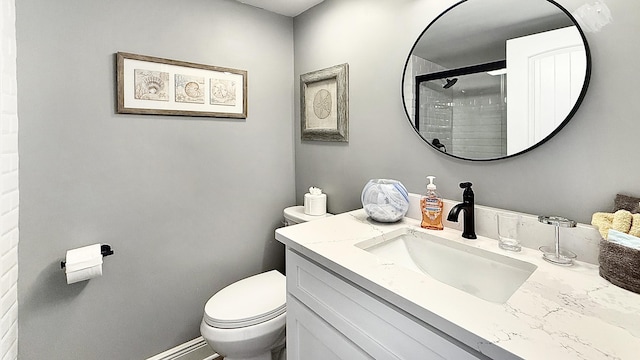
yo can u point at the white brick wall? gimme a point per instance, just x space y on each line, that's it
479 129
8 183
416 66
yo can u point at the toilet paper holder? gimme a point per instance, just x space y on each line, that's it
105 250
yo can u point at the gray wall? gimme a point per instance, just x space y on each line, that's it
575 174
188 204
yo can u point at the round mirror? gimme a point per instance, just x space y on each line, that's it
491 79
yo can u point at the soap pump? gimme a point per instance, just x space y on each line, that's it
431 207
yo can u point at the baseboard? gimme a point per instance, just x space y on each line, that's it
196 349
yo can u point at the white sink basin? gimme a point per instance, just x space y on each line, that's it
484 274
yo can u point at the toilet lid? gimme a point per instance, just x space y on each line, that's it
296 215
248 302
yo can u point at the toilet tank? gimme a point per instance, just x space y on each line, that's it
295 215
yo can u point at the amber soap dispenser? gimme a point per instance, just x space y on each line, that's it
431 207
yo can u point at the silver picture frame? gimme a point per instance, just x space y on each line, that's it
324 104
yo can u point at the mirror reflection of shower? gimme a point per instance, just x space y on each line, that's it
440 146
463 113
449 83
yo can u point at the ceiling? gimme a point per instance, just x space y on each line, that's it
284 7
475 32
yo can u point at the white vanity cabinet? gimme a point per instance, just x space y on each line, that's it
329 317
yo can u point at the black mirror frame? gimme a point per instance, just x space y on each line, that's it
574 109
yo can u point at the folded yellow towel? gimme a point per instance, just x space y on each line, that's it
635 226
602 222
622 221
601 216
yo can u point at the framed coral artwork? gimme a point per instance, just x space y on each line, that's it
156 86
324 104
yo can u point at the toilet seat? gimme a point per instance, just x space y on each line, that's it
247 302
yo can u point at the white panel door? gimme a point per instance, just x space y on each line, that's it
545 74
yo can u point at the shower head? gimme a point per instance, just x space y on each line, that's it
450 83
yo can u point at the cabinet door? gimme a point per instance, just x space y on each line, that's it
311 338
374 327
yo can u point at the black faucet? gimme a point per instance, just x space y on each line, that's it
469 231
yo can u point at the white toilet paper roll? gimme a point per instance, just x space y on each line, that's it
84 274
315 204
83 263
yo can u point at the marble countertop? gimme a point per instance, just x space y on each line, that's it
558 313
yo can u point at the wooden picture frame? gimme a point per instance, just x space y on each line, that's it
156 86
324 104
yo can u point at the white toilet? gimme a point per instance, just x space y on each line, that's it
295 215
246 320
